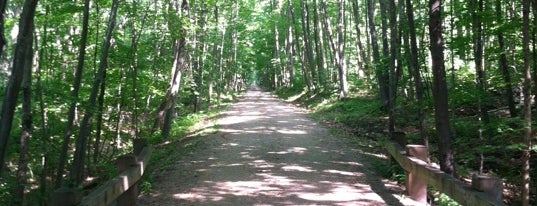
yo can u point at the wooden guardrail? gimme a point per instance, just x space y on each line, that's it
484 190
121 190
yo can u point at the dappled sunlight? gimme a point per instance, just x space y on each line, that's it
296 150
268 153
297 168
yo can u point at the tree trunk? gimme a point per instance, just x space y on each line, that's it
319 45
3 4
74 93
291 47
342 70
480 71
166 111
504 65
44 135
363 61
308 51
394 38
442 121
13 86
26 133
526 153
416 71
198 76
382 78
77 175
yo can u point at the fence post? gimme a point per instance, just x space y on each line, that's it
123 163
139 144
65 196
417 187
488 184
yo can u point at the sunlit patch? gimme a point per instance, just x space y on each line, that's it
246 188
288 131
230 144
261 164
348 163
189 196
238 119
297 168
341 192
343 173
297 150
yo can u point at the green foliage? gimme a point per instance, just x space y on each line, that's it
443 200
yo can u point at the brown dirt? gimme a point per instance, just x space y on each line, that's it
268 152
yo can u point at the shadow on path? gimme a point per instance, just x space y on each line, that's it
269 153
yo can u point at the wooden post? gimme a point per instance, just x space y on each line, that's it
488 184
130 196
417 187
138 145
65 196
399 137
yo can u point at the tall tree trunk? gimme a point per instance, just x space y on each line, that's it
167 109
504 65
74 93
319 45
363 61
77 175
291 46
526 153
382 78
308 51
24 41
44 135
416 71
3 4
480 71
442 121
198 76
215 59
342 70
394 37
26 132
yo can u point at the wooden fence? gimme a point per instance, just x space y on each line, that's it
483 191
121 190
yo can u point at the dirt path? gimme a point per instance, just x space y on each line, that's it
269 153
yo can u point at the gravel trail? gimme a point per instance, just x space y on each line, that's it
268 152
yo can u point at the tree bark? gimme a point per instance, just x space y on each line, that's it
442 121
504 65
74 93
416 71
363 61
308 51
13 86
342 70
319 45
382 78
166 111
291 46
26 133
77 171
526 152
3 4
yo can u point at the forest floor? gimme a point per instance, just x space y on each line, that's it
268 152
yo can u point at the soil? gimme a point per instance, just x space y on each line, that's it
268 152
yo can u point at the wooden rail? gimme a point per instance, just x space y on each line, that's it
447 184
122 189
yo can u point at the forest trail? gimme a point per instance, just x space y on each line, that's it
268 152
